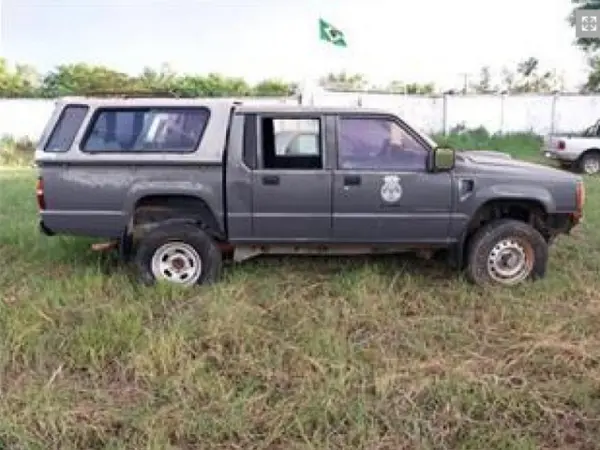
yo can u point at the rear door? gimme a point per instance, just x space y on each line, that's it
382 190
292 185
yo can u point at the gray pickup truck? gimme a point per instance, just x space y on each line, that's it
181 186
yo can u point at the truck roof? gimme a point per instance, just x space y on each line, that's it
250 108
253 106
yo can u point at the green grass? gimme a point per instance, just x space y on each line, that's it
519 145
14 153
292 353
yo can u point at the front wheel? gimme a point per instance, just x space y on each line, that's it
181 254
506 252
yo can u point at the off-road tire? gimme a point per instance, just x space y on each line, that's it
190 234
484 240
585 159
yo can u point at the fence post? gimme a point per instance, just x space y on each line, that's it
445 114
502 98
553 113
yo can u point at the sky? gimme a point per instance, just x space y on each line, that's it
412 41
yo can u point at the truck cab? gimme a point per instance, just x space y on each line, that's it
179 185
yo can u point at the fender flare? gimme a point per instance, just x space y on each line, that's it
458 250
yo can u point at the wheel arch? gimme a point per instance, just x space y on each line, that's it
529 210
152 209
590 150
156 208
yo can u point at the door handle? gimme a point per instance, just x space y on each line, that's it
270 179
351 180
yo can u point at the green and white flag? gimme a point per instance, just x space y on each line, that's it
329 33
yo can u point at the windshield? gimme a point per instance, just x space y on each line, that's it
425 136
421 133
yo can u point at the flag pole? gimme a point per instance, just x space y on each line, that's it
311 73
330 38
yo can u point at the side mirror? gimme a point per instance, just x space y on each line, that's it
443 159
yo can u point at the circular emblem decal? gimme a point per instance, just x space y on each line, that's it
391 191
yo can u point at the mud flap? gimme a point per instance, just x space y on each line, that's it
125 246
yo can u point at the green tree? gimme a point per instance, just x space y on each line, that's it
397 86
508 80
84 79
273 88
591 49
528 78
22 81
484 84
343 80
156 80
531 79
417 88
592 83
213 85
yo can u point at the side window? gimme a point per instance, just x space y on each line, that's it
250 139
303 144
66 128
291 143
379 144
146 130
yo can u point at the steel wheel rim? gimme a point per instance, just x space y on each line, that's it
510 261
177 262
591 165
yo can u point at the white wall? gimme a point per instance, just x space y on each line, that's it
24 118
537 113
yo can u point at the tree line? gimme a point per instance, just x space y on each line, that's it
24 81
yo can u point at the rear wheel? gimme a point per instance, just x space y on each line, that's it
181 254
506 252
589 163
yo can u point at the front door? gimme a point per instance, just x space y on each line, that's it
291 188
382 191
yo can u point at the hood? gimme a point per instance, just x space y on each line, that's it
492 162
486 153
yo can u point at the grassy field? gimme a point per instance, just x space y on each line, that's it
294 353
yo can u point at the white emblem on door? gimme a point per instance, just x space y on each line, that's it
391 191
